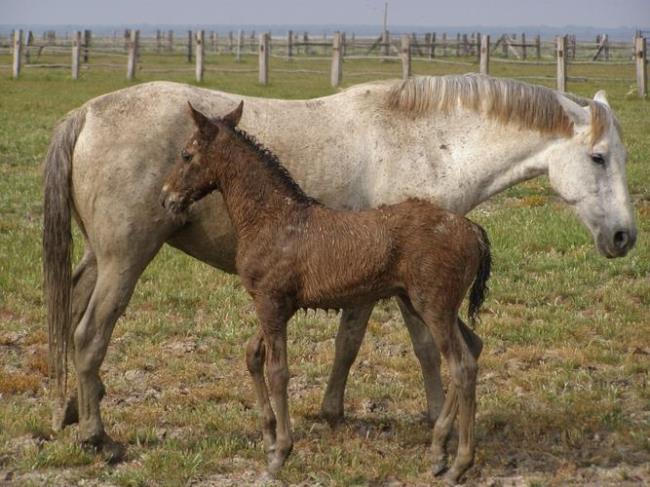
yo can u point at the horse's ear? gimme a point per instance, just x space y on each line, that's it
203 123
578 114
234 117
601 97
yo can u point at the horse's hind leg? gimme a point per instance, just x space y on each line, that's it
255 357
83 283
116 280
352 328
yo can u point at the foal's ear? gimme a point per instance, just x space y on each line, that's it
234 117
203 123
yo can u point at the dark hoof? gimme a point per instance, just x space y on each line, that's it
334 420
111 451
439 467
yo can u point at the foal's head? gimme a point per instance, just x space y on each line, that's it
195 174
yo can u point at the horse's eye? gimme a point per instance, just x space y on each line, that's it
187 157
598 159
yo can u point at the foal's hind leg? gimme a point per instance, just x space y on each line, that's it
427 353
352 328
461 398
255 357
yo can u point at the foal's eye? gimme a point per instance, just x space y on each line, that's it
187 157
598 159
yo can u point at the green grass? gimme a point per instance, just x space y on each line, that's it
563 383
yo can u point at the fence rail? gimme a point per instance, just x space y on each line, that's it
462 49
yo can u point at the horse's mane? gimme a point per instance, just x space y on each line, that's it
508 101
272 162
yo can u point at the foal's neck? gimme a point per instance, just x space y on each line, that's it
256 188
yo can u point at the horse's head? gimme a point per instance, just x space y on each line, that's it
588 171
195 174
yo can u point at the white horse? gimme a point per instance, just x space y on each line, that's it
456 140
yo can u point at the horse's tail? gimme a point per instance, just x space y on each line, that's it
479 288
57 242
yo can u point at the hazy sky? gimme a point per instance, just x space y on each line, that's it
556 13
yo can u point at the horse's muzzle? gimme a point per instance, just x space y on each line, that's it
172 202
618 243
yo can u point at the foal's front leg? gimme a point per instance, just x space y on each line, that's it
255 357
278 372
273 317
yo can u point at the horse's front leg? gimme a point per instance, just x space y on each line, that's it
352 328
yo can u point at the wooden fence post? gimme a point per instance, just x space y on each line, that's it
170 40
87 38
264 59
538 46
432 48
406 56
444 44
133 54
458 44
504 45
76 48
640 46
523 46
29 40
344 45
240 44
289 45
200 50
385 40
561 54
189 46
485 54
337 60
18 50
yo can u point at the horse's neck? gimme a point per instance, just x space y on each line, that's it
252 192
458 161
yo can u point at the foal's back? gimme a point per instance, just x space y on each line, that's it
332 259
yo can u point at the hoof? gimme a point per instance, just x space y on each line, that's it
439 468
451 478
278 459
111 451
334 419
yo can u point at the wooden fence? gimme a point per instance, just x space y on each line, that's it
562 51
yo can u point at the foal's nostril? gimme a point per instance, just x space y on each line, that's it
621 239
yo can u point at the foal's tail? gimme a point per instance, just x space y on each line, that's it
479 288
57 242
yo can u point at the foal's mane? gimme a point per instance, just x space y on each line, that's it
273 164
508 101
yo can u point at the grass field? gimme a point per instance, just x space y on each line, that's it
563 392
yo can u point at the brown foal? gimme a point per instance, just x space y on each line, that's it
295 253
